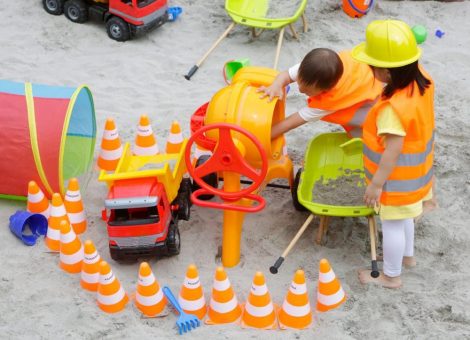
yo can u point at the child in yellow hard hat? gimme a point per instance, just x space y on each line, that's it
398 136
340 89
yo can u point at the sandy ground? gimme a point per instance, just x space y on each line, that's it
39 301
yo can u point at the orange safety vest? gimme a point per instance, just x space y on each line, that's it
351 98
411 179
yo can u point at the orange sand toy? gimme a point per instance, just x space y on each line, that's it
330 293
149 297
259 309
90 275
111 296
223 306
191 297
111 148
57 215
145 141
74 207
175 138
296 311
37 201
71 249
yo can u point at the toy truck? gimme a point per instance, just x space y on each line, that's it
147 196
124 18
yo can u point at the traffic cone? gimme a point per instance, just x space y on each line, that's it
111 148
330 293
145 141
149 297
71 249
223 306
57 215
191 297
259 309
198 152
111 296
175 138
37 201
74 207
90 267
296 311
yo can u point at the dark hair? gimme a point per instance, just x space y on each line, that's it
403 76
321 67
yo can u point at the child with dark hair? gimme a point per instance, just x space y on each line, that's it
398 136
340 90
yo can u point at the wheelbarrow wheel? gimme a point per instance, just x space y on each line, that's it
295 198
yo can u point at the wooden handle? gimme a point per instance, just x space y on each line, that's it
227 31
297 236
278 49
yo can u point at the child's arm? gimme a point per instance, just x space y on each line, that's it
291 122
393 148
276 89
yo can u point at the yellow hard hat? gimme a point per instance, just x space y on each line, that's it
389 43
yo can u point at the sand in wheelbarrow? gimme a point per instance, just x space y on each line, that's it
345 190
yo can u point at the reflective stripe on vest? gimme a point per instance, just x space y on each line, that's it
259 311
404 185
296 311
192 304
224 307
149 300
72 258
90 278
111 299
221 285
329 300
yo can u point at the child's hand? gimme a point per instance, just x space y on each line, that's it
372 195
273 90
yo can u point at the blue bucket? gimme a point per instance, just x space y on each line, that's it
27 226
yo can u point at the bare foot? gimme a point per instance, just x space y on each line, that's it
408 261
383 280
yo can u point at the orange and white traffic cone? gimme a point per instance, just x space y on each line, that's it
175 138
111 148
259 309
111 296
90 267
191 296
330 293
223 306
57 215
37 201
149 297
200 151
74 207
71 249
296 311
145 141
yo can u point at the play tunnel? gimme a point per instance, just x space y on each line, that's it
47 134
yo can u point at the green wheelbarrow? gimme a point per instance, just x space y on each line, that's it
328 157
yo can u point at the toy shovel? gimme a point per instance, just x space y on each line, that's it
185 321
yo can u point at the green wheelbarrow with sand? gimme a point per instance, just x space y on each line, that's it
331 184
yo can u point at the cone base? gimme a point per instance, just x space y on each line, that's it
152 311
200 313
92 287
287 321
325 308
266 322
53 245
117 307
72 268
216 318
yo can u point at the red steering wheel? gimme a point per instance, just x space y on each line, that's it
226 157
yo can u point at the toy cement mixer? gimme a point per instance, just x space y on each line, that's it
236 127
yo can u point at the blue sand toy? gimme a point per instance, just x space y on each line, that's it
174 12
27 226
185 322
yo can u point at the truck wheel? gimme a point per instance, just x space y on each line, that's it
76 11
295 198
118 29
186 186
184 204
173 241
54 7
210 179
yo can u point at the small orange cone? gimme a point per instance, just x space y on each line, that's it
90 267
57 215
200 151
191 297
145 141
71 249
259 309
175 138
37 201
111 148
330 293
296 311
149 297
74 207
223 306
111 296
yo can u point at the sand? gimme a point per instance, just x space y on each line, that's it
39 301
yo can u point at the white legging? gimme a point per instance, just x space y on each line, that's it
398 241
